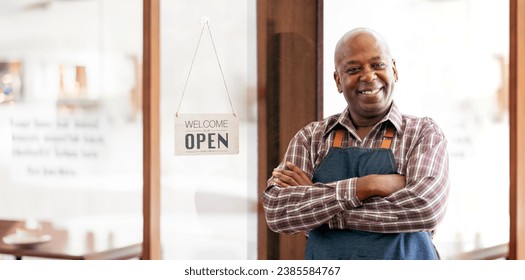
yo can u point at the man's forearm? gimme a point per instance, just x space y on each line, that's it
300 208
378 185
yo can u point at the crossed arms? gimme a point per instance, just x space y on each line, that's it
414 200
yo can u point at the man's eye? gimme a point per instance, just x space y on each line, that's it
353 70
380 65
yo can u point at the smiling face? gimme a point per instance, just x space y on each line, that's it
366 74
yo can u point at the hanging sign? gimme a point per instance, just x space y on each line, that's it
206 134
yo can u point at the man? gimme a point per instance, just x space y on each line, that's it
369 183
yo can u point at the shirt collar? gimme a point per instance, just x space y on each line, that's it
393 115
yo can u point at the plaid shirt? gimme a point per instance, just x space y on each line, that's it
420 150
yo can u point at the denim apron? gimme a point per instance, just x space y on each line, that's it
325 243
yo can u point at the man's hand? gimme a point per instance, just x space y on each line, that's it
292 176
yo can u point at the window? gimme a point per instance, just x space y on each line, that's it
71 130
452 66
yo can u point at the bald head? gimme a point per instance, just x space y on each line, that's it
365 73
360 37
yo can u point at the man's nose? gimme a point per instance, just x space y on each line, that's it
368 76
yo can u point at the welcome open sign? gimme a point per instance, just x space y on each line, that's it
206 134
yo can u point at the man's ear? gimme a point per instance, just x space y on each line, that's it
338 82
394 69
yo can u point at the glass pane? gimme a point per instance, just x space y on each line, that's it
70 119
452 65
209 201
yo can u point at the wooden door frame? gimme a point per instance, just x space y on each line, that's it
290 67
151 247
517 129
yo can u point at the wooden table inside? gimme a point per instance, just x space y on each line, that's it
63 246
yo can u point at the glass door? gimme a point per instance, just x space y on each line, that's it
209 202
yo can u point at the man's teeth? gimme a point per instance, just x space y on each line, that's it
370 91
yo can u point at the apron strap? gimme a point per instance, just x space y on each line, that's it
388 137
338 139
385 144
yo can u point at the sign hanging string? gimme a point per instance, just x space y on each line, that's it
205 21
